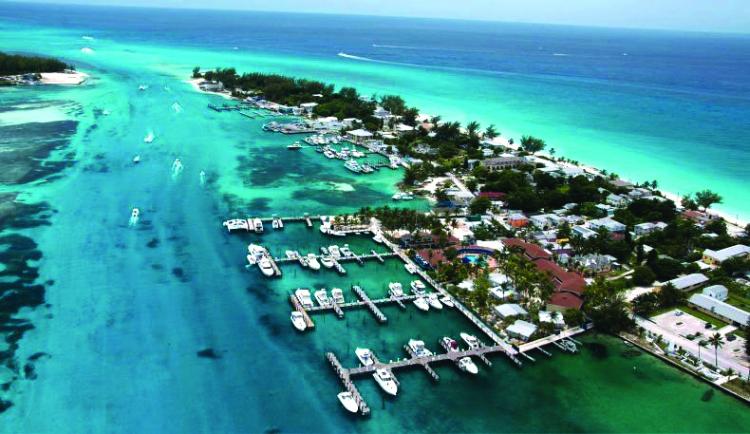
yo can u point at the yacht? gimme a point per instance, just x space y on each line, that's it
136 159
149 137
298 321
366 168
419 348
347 400
295 146
450 344
321 296
353 166
303 295
255 252
467 365
334 251
470 340
417 287
329 154
346 252
411 268
265 266
258 225
385 381
365 356
447 301
312 262
327 261
421 304
434 301
396 289
338 296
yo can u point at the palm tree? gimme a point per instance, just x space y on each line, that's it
491 132
717 340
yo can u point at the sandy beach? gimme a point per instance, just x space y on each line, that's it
65 78
195 82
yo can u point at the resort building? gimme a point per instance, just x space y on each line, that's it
719 309
510 310
503 162
211 86
531 251
359 136
688 282
719 292
554 318
716 257
521 329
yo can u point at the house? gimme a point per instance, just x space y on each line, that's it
699 217
544 221
503 162
719 292
688 282
308 107
211 86
518 220
503 294
716 257
562 301
381 113
494 196
359 136
611 225
565 281
521 329
642 229
554 318
595 262
608 210
719 309
617 200
582 231
509 310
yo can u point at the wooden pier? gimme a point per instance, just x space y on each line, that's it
343 375
424 362
379 315
299 308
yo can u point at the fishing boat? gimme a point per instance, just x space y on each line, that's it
385 381
255 253
434 301
265 266
294 146
298 321
421 304
348 401
312 262
337 294
447 301
136 159
149 137
417 287
411 268
450 343
365 356
467 365
303 296
470 340
419 349
395 289
321 296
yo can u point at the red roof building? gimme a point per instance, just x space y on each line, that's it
492 195
531 251
565 300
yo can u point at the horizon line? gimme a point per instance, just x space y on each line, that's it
347 14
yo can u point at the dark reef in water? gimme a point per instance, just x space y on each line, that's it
208 353
598 350
27 149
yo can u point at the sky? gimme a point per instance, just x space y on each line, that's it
698 15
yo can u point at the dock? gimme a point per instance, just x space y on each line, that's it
424 362
370 304
299 308
343 375
364 301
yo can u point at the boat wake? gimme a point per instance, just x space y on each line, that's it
87 50
561 54
353 57
87 38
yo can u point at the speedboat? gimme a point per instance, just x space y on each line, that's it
149 137
136 159
467 365
421 304
295 146
385 380
312 262
142 87
347 400
470 340
255 252
396 289
334 251
327 261
411 268
450 344
134 214
258 225
447 301
417 287
265 266
303 295
365 356
338 296
298 321
321 296
434 302
346 252
419 348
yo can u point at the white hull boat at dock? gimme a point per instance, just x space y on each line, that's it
396 290
421 304
298 321
321 296
468 365
365 356
312 262
347 400
434 302
386 381
470 340
337 294
303 296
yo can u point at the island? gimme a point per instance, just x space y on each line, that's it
16 69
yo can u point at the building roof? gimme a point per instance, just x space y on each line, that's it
359 133
532 250
727 253
521 328
562 279
716 291
720 308
566 300
545 316
492 195
688 281
510 309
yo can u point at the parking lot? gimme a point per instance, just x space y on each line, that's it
682 323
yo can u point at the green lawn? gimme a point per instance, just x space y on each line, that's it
704 316
738 300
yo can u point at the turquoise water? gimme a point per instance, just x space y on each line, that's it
128 308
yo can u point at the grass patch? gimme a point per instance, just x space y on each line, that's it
739 386
704 316
738 300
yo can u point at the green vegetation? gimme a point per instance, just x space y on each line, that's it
532 144
16 64
606 306
667 298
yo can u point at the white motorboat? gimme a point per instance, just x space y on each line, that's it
334 251
417 287
385 381
447 301
137 159
255 253
419 348
378 238
324 250
467 365
303 296
202 177
451 344
395 289
338 296
421 304
265 266
347 400
275 223
346 252
326 261
258 225
303 261
294 146
411 268
312 262
321 296
298 321
142 87
149 137
134 216
470 340
291 255
434 301
365 356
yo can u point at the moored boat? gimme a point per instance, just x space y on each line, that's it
312 262
421 304
298 321
411 268
417 287
434 302
450 343
338 296
467 365
326 261
395 289
447 301
385 381
419 349
265 266
347 400
470 340
365 356
321 296
303 296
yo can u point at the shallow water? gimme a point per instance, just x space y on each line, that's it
129 308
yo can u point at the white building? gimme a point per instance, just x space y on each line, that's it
715 257
719 309
359 136
521 330
611 225
554 318
719 292
508 310
688 282
583 231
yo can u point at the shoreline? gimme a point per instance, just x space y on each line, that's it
195 83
